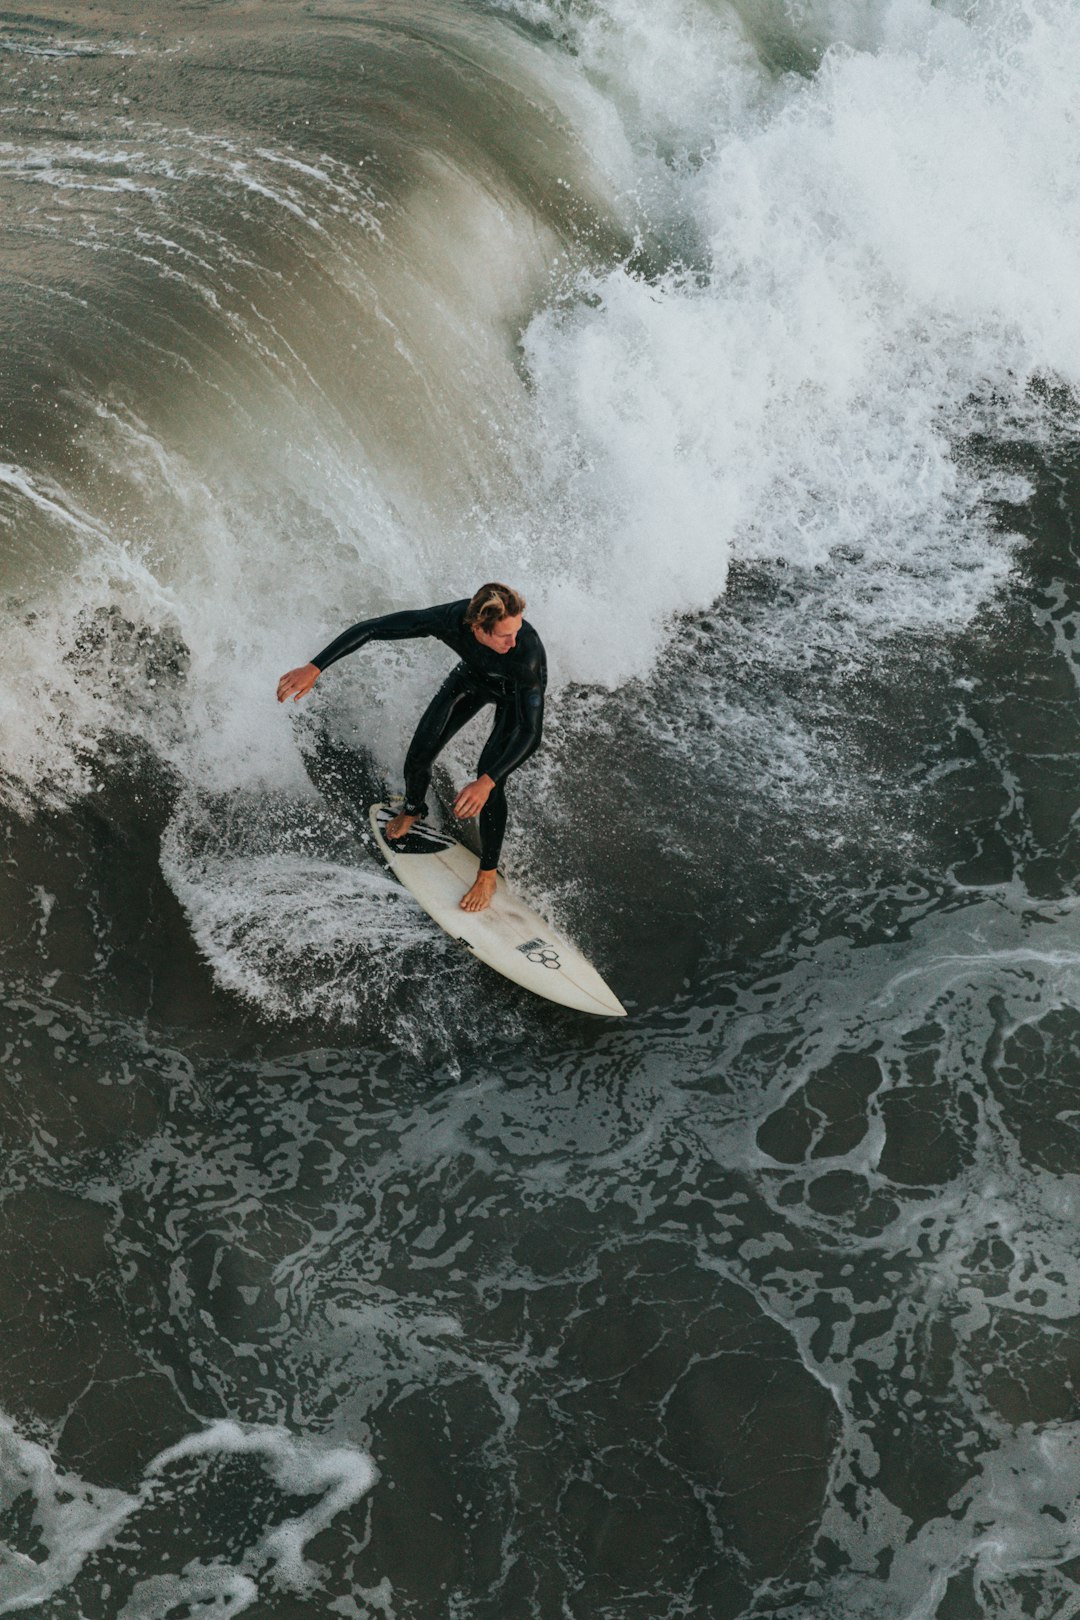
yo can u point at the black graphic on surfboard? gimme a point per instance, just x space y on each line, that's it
421 839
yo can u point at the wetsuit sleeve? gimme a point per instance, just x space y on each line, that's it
390 627
525 735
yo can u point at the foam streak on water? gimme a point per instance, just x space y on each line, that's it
75 1521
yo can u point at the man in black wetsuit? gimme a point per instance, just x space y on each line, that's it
502 662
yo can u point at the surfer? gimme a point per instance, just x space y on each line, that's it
502 662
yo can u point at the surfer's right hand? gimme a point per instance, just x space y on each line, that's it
297 682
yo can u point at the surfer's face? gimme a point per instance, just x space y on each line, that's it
502 636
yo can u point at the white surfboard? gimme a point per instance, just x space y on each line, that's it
508 935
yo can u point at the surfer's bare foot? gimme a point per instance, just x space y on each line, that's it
481 893
398 827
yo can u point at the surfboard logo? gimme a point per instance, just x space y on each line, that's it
540 952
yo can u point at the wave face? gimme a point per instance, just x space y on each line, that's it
308 321
743 338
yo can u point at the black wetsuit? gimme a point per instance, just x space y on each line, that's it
513 681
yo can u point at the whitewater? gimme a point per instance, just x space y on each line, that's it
337 1277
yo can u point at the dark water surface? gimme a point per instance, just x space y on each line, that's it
337 1277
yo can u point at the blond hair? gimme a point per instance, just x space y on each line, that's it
491 603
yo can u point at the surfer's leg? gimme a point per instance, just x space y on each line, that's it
453 705
493 817
492 828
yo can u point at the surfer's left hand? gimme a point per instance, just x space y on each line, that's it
472 798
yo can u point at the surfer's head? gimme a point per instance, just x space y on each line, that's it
494 616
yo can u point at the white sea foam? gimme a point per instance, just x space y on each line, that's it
300 937
337 1476
883 246
75 1520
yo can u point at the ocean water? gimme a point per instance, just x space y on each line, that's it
338 1278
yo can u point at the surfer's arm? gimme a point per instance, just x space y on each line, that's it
521 742
525 736
390 627
528 721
